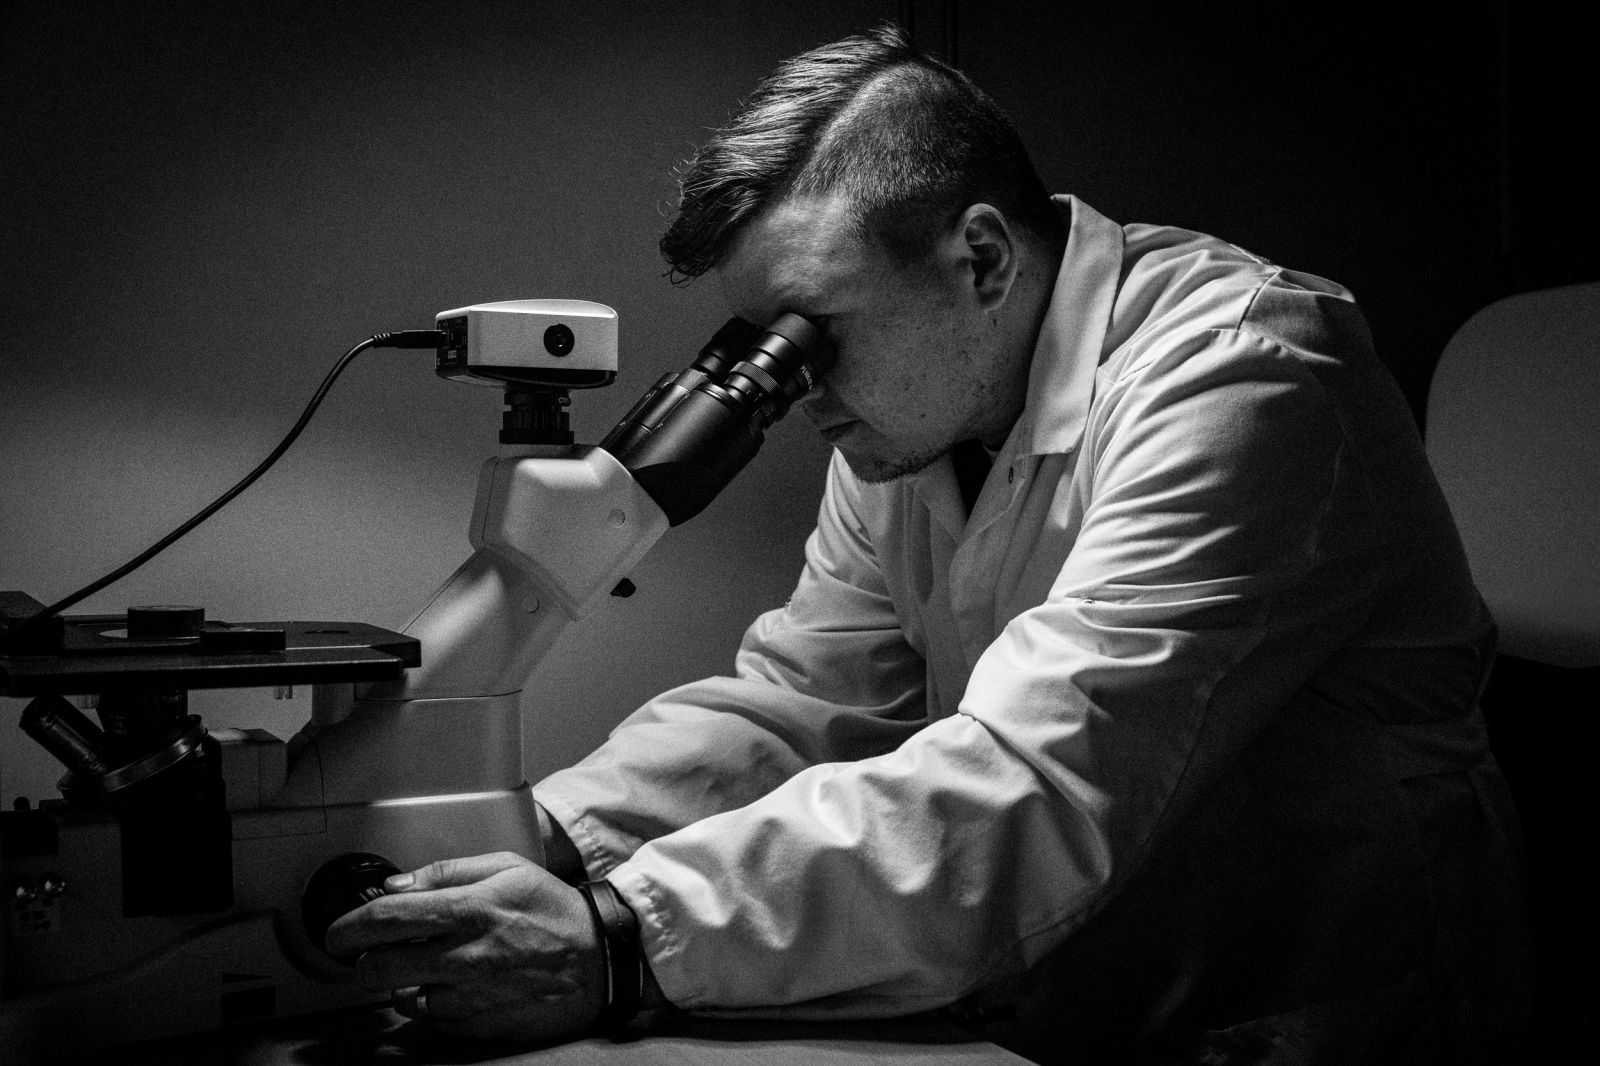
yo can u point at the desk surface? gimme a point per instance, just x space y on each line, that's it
370 1038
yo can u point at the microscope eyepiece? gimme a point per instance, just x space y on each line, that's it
725 348
783 364
688 437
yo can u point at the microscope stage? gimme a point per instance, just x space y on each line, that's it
96 655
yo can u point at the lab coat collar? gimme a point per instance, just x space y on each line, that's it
1069 348
1060 376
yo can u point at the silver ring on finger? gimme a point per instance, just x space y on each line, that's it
412 1002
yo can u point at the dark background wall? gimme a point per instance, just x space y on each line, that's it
205 204
1430 157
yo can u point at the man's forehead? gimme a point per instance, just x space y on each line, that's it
808 216
794 250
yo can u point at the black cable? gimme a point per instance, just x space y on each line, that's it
414 338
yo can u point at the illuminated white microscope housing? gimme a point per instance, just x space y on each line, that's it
420 761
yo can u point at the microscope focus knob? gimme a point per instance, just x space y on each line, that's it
341 885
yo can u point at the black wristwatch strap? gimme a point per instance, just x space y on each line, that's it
618 929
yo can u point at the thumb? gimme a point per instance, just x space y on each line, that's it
452 873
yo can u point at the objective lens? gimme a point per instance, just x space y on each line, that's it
64 731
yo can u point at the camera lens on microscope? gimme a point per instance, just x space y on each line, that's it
559 339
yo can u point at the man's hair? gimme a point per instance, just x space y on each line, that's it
910 141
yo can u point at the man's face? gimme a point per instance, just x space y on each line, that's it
910 380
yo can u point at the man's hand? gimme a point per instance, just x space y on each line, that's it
492 946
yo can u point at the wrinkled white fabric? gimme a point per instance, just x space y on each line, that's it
962 735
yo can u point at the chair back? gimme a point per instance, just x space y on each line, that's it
1513 432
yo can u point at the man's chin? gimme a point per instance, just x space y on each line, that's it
875 470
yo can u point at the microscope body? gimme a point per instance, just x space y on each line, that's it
414 748
426 766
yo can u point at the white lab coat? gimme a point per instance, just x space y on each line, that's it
1208 617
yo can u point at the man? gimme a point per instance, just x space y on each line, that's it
1129 687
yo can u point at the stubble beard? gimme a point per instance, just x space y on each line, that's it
876 471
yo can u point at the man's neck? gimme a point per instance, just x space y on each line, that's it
1035 284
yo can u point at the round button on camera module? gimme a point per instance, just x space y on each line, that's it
558 339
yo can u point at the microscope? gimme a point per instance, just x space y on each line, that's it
185 876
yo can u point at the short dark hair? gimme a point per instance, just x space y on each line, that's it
908 139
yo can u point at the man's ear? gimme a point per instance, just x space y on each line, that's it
982 248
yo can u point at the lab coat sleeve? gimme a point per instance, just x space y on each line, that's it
829 677
1181 618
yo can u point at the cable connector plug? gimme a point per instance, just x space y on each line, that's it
409 338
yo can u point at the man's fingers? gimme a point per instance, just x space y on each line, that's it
441 898
410 1002
401 965
392 920
432 1003
452 873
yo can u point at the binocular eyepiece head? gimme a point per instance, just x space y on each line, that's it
767 369
688 437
